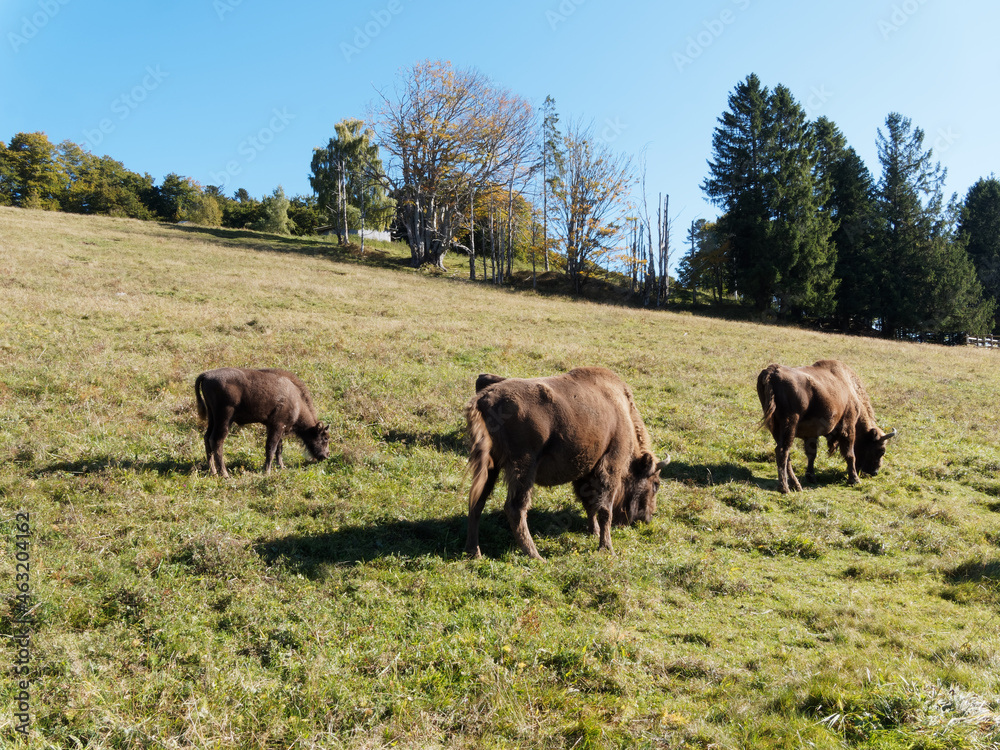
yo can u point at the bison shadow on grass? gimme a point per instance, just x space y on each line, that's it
443 538
705 475
97 464
453 442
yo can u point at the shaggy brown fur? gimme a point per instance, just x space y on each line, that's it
274 398
581 427
825 399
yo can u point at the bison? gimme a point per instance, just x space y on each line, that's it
581 427
825 399
274 398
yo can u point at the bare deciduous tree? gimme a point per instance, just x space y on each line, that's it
590 192
447 132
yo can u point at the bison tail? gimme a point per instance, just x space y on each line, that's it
766 394
480 458
199 399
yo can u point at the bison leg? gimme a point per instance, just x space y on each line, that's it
516 508
811 446
793 481
277 455
476 512
215 436
604 521
272 448
595 493
209 443
852 466
784 439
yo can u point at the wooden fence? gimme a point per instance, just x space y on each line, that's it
948 339
990 342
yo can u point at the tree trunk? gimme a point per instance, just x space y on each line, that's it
493 246
510 229
545 215
472 235
534 238
343 203
651 266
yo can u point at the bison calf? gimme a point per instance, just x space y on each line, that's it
581 427
825 399
274 398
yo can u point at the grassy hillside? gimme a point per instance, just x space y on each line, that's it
329 605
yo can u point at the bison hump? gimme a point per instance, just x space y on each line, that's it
485 380
545 394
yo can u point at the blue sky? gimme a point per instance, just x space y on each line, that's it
240 91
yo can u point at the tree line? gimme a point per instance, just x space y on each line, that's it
808 232
453 162
35 173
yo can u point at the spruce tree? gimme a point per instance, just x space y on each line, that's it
736 184
776 223
852 209
928 281
980 228
800 224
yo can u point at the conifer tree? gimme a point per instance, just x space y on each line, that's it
736 184
852 209
928 281
551 163
800 225
776 223
980 227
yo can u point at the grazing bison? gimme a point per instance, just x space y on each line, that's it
581 427
825 399
275 398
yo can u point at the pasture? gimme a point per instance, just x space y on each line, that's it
330 605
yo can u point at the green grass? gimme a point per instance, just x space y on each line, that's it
329 605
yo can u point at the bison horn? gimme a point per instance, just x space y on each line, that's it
663 464
889 435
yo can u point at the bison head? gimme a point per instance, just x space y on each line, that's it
639 490
869 449
317 441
